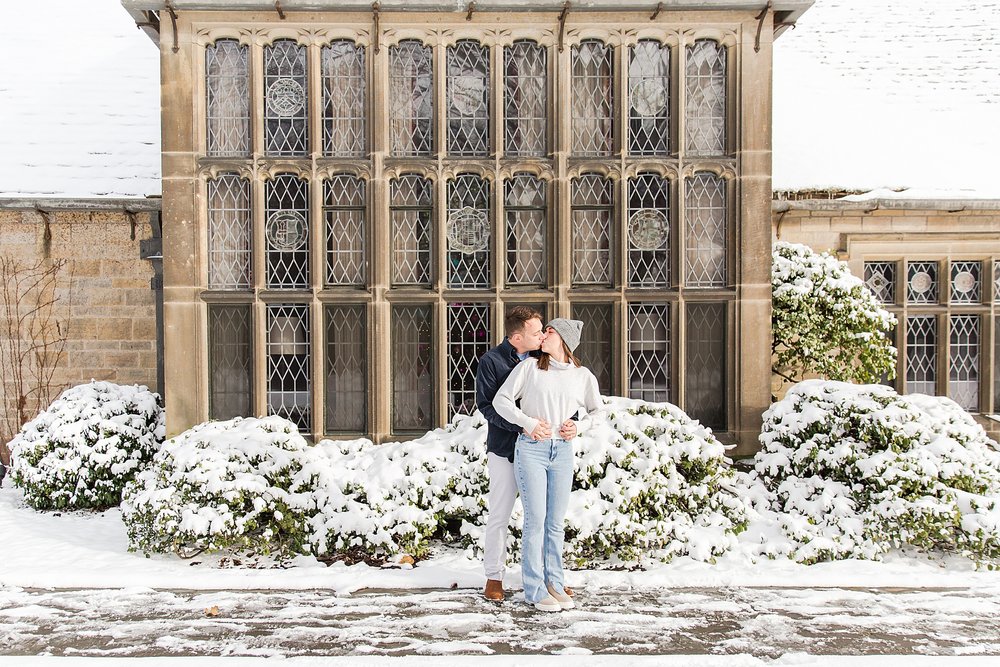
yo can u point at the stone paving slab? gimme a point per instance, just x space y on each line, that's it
764 622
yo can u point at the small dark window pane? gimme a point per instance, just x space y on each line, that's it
705 375
880 278
229 233
592 213
921 354
286 230
468 340
525 208
230 364
649 99
966 282
963 373
649 351
595 350
286 99
344 210
227 90
289 387
411 211
346 369
648 231
922 282
412 369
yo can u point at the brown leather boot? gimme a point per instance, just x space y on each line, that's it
494 590
569 591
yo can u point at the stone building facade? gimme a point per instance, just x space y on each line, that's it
105 293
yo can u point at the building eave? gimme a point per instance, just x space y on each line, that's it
54 204
916 204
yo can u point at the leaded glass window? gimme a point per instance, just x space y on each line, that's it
996 364
595 351
707 230
468 340
468 99
411 214
525 208
649 351
648 231
593 69
966 283
227 91
649 99
411 98
880 278
286 99
921 354
591 216
922 282
230 385
346 369
289 384
526 100
963 372
705 372
705 85
344 212
287 232
468 232
996 281
344 99
229 233
412 369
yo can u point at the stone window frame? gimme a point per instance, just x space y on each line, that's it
379 166
942 310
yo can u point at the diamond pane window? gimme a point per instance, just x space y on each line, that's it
705 374
468 232
593 67
412 369
411 98
344 99
966 283
230 376
595 351
649 351
921 354
346 369
706 231
288 372
344 212
880 278
468 340
705 84
286 100
648 231
411 213
286 228
468 99
922 282
591 216
996 365
963 371
996 281
229 233
649 99
526 99
227 99
525 209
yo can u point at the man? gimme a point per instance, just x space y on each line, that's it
523 335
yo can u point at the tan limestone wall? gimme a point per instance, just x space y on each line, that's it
104 298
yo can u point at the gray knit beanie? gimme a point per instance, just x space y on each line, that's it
569 330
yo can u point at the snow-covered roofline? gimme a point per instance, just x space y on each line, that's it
48 204
955 204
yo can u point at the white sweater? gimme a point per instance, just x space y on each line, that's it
554 395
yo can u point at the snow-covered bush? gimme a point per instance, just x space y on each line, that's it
854 470
825 321
234 484
86 446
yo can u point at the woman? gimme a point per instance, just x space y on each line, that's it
553 387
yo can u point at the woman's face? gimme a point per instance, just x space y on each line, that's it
553 342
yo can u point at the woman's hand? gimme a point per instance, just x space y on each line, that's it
567 430
542 432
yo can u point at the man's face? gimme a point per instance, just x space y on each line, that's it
529 338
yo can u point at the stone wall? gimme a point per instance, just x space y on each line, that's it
105 303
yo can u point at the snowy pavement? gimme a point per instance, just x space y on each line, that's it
761 622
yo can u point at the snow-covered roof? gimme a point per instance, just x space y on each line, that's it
79 101
867 94
883 93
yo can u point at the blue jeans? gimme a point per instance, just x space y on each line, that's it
543 470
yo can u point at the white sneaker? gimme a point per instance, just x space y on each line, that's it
548 604
565 601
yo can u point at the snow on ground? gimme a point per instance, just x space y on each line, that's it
797 659
90 550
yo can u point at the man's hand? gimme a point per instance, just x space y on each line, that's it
567 431
542 432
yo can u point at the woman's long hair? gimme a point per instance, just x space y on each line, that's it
543 358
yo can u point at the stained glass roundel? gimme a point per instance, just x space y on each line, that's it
286 230
921 281
468 230
648 229
649 97
285 97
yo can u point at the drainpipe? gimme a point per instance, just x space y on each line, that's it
152 249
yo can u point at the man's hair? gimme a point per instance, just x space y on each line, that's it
516 317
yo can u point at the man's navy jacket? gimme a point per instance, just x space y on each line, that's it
494 367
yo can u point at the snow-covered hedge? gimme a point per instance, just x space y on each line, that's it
649 482
81 451
854 470
236 484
